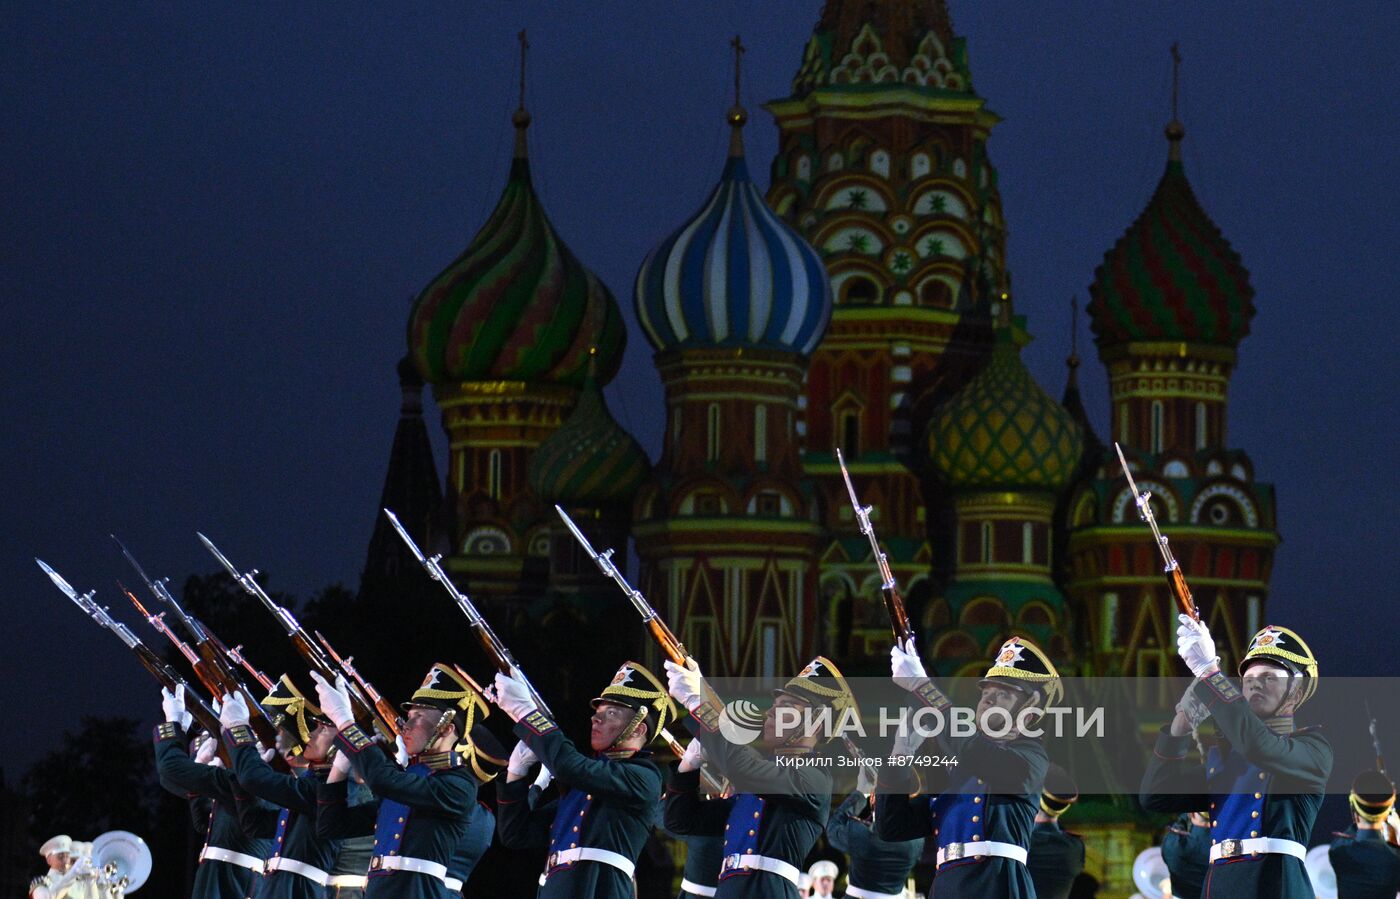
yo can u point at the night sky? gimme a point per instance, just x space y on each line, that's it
215 222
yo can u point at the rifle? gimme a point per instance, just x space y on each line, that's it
500 655
213 668
163 673
308 650
894 602
663 635
388 715
1175 579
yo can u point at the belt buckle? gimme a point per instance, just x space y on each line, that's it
1231 848
730 863
549 860
376 863
954 851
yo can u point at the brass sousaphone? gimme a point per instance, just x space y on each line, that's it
122 860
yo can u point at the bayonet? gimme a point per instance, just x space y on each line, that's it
889 590
1175 578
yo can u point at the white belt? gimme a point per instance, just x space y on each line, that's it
1257 846
761 863
858 893
453 884
404 863
954 851
315 875
586 854
689 886
233 858
347 881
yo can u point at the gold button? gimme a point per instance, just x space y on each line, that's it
1254 833
400 820
980 781
975 819
1258 795
1213 842
580 814
588 796
935 831
573 845
396 836
755 814
1213 823
976 800
975 838
1261 775
1254 814
726 827
751 833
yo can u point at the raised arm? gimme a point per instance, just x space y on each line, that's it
448 794
1305 756
686 812
628 784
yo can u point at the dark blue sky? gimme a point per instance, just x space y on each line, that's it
214 222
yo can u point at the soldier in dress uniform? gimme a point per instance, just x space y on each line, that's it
300 862
1186 853
1264 793
1056 855
982 822
597 829
1366 865
236 846
879 868
62 877
778 809
429 828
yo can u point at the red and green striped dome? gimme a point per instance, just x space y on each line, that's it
590 461
517 305
1172 276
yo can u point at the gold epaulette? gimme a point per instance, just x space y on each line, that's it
440 761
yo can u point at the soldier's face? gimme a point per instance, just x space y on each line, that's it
418 729
320 743
789 737
59 861
609 721
824 885
1266 688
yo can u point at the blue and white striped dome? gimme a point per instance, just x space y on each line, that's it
735 275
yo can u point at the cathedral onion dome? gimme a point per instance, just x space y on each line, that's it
735 275
1002 431
517 305
1172 276
590 460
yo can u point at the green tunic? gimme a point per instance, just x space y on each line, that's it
295 838
876 865
215 879
1267 785
1186 852
1367 867
702 858
778 812
424 813
608 803
1057 857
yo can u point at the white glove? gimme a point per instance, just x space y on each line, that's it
400 752
1195 645
512 696
521 759
207 751
267 754
86 868
173 704
334 700
693 757
906 668
1194 710
685 683
544 777
234 710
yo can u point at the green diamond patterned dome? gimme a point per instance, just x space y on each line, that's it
1003 432
590 461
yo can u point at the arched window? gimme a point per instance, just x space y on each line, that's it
1200 426
880 163
860 290
850 434
493 474
712 444
1157 426
986 542
760 433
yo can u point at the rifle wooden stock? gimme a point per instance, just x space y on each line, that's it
1182 593
203 715
664 638
899 616
316 660
262 726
